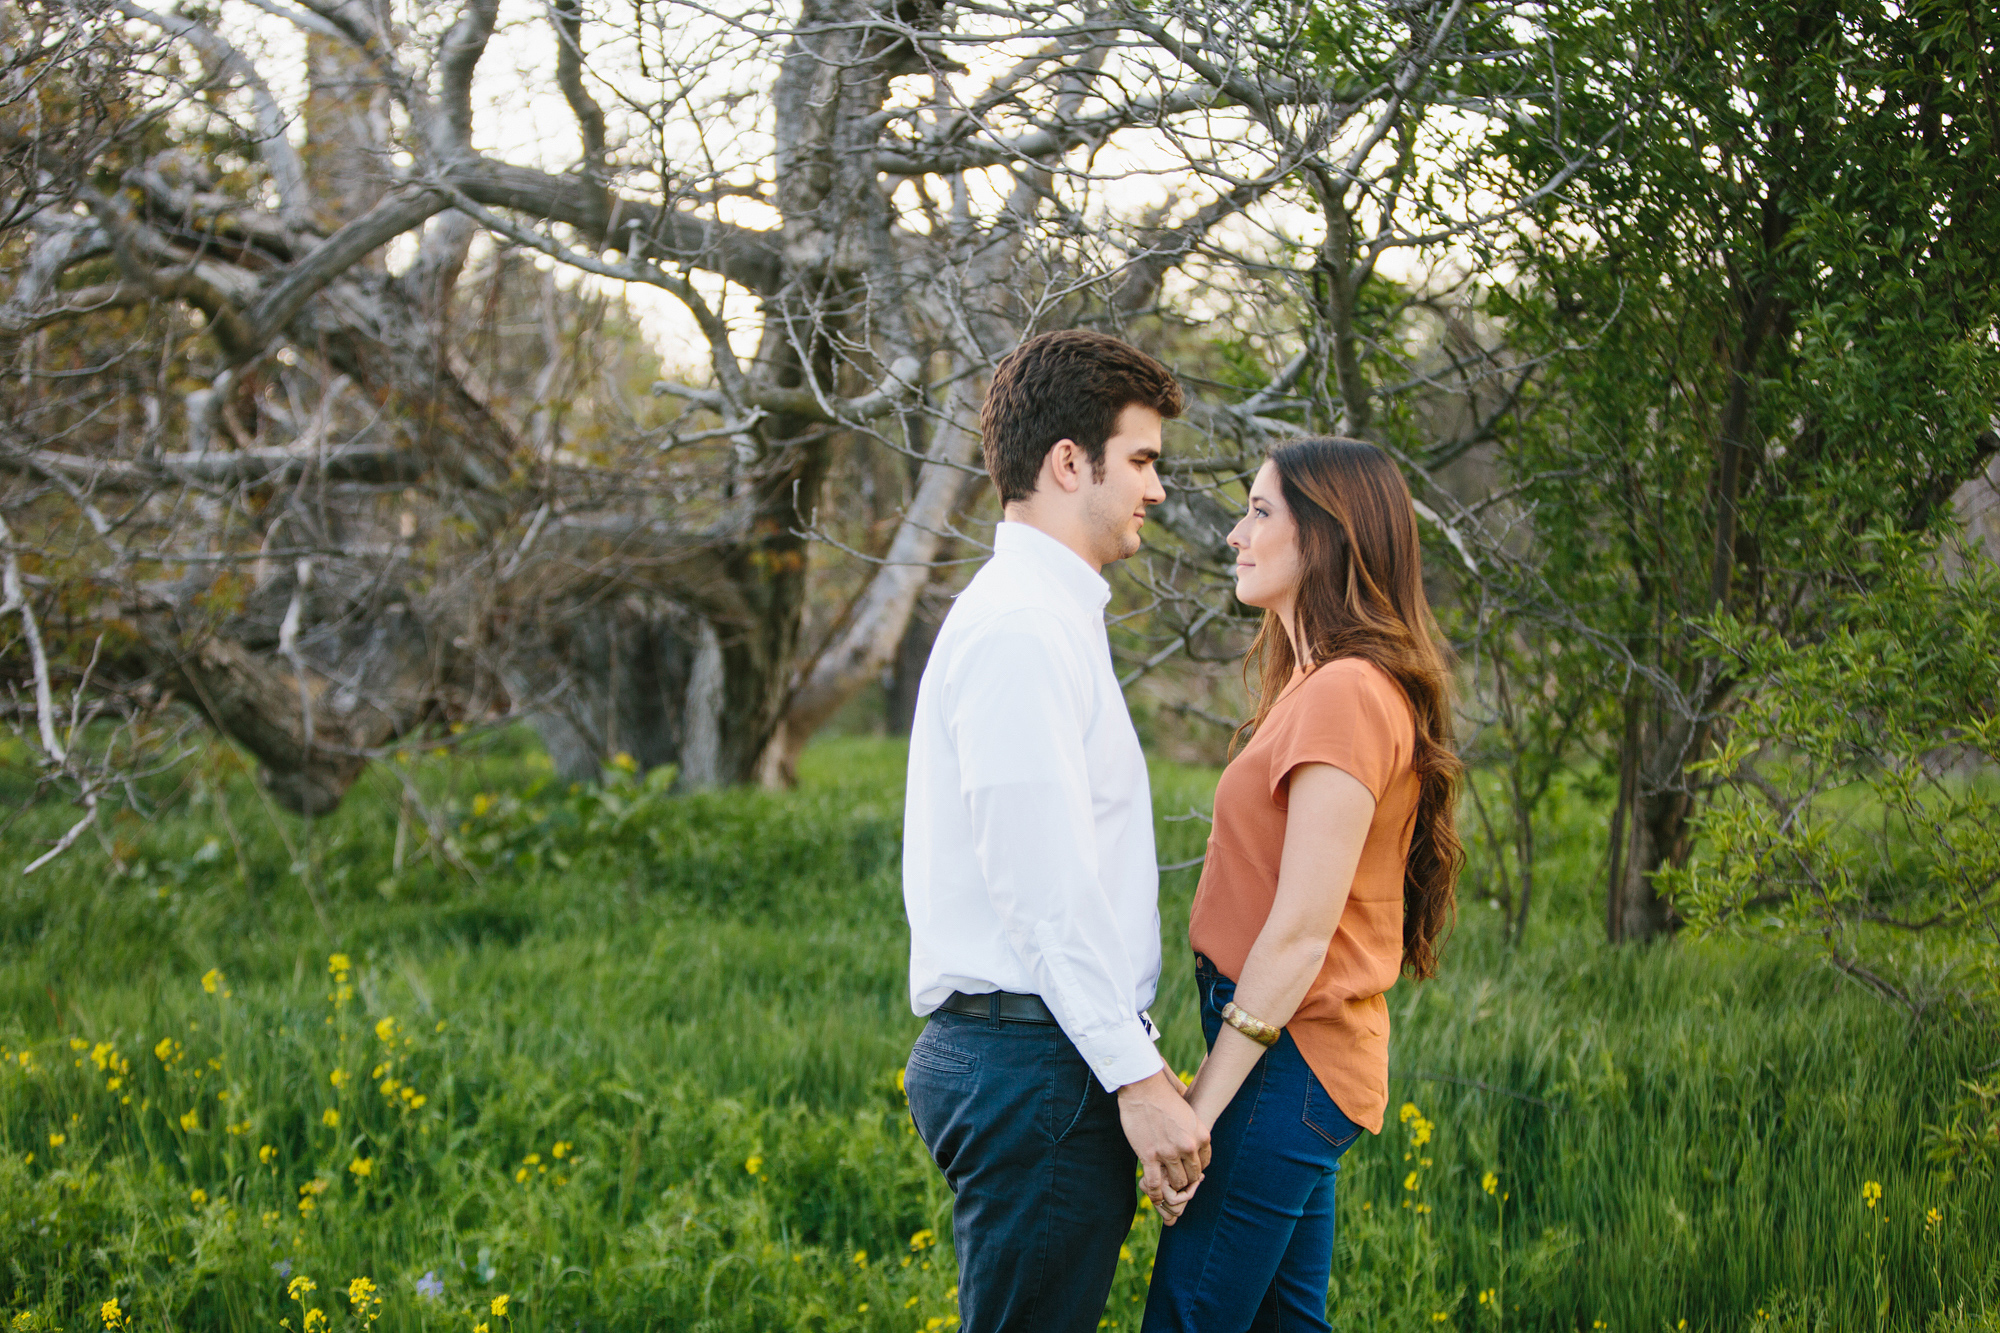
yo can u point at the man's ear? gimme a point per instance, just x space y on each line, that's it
1064 464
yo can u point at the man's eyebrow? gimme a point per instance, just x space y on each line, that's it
1146 455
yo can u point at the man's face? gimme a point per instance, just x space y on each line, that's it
1117 505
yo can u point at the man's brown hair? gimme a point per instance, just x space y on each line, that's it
1067 385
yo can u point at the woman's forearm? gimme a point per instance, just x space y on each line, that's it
1324 832
1276 977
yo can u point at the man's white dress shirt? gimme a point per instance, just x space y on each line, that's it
1028 859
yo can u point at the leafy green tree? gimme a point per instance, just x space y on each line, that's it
1859 809
1769 317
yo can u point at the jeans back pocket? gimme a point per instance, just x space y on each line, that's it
935 1058
1323 1116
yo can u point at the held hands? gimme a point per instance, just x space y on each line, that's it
1171 1143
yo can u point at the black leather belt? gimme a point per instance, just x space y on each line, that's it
1002 1006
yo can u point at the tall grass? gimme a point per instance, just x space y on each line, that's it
630 1060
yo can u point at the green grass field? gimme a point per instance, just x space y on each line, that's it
633 1064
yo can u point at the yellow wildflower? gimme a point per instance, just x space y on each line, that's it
385 1030
300 1287
198 1197
1410 1181
330 1118
1931 1219
338 1078
361 1294
337 963
362 1167
315 1321
211 980
923 1239
861 1258
561 1150
112 1316
753 1164
190 1121
500 1306
58 1140
1490 1183
1871 1193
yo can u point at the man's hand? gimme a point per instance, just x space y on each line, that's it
1171 1144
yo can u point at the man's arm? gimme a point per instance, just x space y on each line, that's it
1017 708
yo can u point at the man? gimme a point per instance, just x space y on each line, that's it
1029 873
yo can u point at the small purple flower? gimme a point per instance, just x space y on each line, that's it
283 1268
430 1286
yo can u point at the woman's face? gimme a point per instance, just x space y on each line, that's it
1266 543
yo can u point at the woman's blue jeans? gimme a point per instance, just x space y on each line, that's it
1254 1249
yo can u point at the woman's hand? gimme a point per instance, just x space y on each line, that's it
1172 1203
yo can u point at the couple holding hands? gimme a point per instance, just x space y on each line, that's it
1031 881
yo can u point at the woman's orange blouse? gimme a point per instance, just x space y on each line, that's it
1349 714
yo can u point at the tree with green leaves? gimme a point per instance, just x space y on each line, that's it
1768 326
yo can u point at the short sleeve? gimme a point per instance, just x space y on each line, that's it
1349 714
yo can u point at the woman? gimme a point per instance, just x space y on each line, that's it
1330 870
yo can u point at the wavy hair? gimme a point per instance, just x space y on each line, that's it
1361 594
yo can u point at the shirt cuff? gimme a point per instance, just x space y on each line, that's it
1122 1055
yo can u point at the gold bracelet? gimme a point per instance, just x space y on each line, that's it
1256 1029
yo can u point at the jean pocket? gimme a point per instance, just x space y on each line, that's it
1069 1113
936 1059
1323 1116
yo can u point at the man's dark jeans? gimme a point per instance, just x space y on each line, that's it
1031 1146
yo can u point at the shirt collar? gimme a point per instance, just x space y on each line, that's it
1060 565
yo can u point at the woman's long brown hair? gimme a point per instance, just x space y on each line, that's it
1361 594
